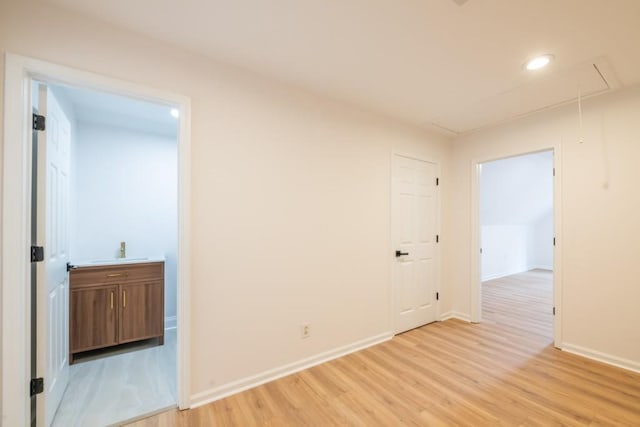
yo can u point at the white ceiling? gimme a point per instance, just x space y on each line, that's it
91 106
450 63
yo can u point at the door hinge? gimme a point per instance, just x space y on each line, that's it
38 122
554 171
437 181
554 311
37 253
480 250
437 238
36 386
437 296
554 241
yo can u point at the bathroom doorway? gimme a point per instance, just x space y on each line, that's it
107 182
17 253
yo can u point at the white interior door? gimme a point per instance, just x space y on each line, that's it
414 217
52 278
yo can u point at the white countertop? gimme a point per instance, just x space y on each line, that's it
116 261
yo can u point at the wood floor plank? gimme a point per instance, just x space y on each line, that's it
503 371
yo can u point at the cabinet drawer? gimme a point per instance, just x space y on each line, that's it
86 276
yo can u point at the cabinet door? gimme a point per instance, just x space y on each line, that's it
141 311
93 317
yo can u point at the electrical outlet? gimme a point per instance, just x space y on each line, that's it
305 331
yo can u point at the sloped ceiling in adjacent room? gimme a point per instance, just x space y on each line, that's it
455 65
517 190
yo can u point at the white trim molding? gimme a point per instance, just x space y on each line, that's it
511 273
501 274
455 315
540 267
238 386
170 322
16 197
183 297
16 180
602 357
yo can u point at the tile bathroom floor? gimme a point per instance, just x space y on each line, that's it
109 390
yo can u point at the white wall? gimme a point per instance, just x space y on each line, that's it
290 198
599 227
516 214
540 250
124 188
505 250
291 193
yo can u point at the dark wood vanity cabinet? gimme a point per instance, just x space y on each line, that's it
142 311
92 317
115 304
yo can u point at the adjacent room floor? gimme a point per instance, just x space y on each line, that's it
503 371
523 302
108 390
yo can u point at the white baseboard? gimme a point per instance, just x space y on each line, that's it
601 357
492 276
511 273
455 315
499 275
170 322
541 267
234 387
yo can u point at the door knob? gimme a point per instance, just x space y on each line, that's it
398 253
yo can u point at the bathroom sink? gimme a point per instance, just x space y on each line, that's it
114 261
118 260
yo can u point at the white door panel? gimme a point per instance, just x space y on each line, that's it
414 211
406 273
52 278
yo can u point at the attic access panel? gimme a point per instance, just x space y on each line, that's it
539 93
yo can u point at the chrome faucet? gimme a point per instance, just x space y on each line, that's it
123 250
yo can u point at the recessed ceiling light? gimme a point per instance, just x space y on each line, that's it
175 112
538 62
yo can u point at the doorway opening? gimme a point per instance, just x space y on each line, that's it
24 153
516 236
108 203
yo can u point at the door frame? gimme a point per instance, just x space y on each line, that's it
475 279
392 247
16 227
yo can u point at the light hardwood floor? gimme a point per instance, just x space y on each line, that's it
503 371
